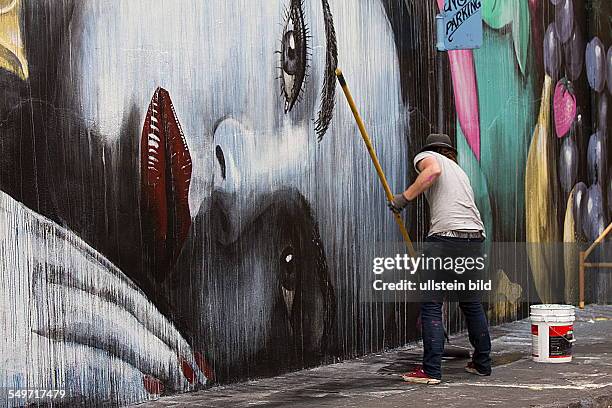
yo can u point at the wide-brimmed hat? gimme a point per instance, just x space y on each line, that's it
438 140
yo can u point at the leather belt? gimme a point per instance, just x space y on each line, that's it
461 234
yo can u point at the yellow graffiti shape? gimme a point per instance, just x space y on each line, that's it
12 51
570 251
540 207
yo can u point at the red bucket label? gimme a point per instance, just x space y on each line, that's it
534 340
560 341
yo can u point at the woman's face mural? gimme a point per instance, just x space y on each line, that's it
249 88
186 198
199 147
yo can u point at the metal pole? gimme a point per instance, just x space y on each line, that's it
581 280
440 89
583 264
598 240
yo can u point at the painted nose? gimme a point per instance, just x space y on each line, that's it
228 142
250 165
235 185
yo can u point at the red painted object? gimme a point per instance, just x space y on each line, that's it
187 370
204 366
165 177
465 90
564 107
153 385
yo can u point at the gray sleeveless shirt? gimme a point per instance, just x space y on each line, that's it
450 198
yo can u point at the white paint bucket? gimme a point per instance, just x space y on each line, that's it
552 333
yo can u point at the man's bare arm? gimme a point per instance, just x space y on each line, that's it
429 172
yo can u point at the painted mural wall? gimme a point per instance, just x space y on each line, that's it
185 200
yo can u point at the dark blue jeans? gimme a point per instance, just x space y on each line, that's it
433 329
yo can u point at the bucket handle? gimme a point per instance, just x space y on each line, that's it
570 341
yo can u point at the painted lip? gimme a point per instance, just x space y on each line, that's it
187 370
165 171
153 385
204 366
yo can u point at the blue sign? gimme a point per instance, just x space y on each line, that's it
459 26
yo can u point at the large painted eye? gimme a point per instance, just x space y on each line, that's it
293 54
288 268
288 276
290 56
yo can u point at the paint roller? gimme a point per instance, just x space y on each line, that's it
449 351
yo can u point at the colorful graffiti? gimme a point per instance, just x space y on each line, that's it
185 201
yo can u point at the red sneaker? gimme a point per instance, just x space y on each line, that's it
418 376
471 368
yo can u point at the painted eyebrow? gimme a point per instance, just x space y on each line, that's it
328 93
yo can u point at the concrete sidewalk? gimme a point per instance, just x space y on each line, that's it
373 381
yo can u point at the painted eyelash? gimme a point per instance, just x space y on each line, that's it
328 93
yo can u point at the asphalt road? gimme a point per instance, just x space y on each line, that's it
373 381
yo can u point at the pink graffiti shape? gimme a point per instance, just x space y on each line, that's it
465 91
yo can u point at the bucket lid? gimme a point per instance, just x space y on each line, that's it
547 309
551 307
567 319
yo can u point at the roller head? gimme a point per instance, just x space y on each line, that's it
456 352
